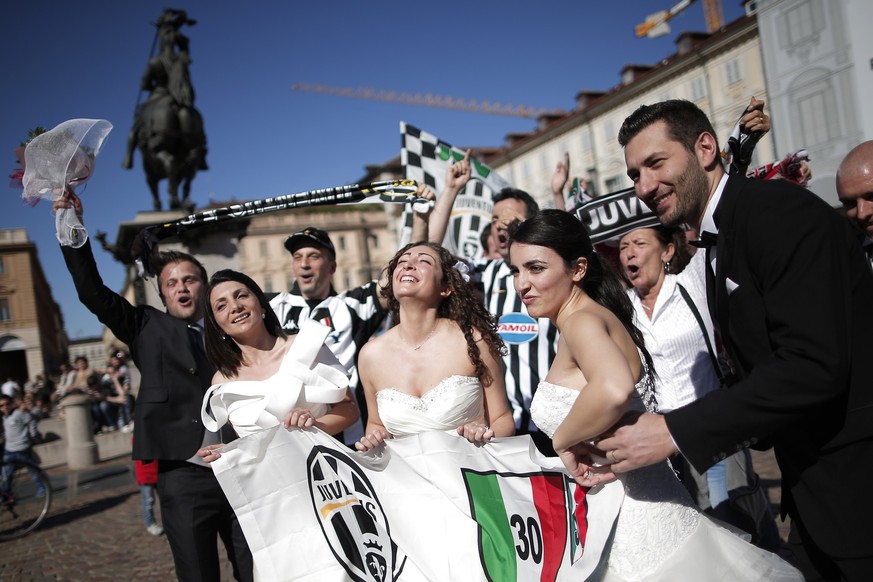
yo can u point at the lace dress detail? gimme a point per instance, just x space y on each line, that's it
455 401
660 534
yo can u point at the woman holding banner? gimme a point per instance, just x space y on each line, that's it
454 384
263 376
601 371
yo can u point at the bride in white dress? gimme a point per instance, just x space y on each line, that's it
263 376
600 372
440 367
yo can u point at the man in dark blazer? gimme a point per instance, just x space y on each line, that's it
168 351
793 301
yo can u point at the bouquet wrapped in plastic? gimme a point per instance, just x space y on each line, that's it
62 159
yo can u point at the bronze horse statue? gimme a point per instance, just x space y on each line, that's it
168 129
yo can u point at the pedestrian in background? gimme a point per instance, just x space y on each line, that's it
147 479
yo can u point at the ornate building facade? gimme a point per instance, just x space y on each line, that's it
32 338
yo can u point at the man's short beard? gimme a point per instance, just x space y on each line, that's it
691 190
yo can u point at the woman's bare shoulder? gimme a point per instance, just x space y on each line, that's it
377 345
219 378
587 317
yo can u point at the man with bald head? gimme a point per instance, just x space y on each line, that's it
855 189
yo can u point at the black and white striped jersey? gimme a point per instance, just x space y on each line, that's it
531 342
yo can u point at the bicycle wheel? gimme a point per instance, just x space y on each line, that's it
25 498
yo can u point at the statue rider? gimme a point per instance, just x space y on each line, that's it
171 92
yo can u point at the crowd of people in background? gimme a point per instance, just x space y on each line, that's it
109 389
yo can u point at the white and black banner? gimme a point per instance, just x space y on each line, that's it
426 507
612 216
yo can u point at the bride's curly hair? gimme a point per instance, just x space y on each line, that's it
464 306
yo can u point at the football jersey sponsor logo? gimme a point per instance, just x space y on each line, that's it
517 328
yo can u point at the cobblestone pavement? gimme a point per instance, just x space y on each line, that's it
95 532
94 535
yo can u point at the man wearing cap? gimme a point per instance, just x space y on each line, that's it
354 315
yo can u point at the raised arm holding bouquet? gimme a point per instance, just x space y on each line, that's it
60 160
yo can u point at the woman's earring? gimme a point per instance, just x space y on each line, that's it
223 336
667 266
263 315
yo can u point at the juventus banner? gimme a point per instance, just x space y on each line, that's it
426 507
425 158
614 215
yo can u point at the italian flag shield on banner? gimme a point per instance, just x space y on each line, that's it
524 523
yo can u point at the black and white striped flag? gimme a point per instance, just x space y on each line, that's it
425 158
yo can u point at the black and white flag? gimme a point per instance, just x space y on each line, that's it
425 158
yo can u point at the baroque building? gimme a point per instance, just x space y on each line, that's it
32 337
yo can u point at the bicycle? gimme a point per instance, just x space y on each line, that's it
25 498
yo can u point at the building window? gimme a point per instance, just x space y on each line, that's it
525 171
613 184
586 141
609 132
5 315
544 163
268 284
818 123
593 177
342 242
698 89
289 284
375 239
732 71
2 266
803 23
262 247
348 280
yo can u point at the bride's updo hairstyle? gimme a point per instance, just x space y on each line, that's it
566 235
221 350
464 306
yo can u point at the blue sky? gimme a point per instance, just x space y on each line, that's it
63 60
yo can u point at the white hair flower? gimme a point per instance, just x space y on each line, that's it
464 270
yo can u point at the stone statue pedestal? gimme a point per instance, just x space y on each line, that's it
81 448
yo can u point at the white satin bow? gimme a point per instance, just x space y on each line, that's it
254 405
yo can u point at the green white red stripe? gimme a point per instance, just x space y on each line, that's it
524 526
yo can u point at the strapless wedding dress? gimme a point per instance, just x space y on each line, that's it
309 377
660 534
453 402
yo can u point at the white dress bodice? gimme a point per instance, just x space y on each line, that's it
453 402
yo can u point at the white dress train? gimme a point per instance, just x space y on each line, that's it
660 534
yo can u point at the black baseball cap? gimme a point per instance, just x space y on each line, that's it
310 234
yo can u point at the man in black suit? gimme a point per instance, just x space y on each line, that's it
167 348
791 295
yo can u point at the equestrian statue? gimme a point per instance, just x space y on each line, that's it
167 128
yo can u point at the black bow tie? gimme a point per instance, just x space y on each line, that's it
706 240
